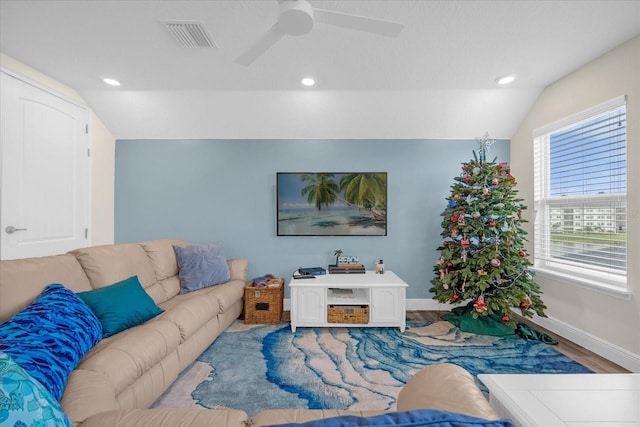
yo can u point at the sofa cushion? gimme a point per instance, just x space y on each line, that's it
416 418
124 358
50 336
22 280
228 294
162 256
108 264
121 306
24 401
190 311
201 266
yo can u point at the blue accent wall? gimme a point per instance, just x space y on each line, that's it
208 190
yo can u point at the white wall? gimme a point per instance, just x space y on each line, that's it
317 114
102 160
593 319
102 183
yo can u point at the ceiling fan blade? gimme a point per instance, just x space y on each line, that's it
359 23
261 46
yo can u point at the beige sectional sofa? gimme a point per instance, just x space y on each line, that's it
131 369
124 374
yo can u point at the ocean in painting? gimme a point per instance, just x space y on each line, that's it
331 221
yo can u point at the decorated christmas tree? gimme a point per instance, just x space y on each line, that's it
483 262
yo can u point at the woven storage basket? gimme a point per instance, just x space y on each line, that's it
263 305
352 314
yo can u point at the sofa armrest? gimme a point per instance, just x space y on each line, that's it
169 417
446 387
239 268
87 393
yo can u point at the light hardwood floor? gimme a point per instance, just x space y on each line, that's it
580 354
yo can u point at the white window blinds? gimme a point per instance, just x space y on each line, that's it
580 194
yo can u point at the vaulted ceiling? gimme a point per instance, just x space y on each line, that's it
447 50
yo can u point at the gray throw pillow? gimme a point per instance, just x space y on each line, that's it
201 266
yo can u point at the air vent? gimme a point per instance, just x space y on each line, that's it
191 34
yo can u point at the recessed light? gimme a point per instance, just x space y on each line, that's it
505 80
111 82
308 82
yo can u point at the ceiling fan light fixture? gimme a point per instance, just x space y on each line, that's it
308 82
505 80
295 17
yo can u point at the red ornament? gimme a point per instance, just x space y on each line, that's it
455 297
495 262
445 243
480 306
506 318
467 179
454 218
449 264
522 254
492 223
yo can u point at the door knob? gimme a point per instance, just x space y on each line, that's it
11 229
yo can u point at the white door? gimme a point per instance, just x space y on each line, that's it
45 185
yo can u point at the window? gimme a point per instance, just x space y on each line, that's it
580 197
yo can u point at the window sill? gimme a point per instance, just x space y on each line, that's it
592 285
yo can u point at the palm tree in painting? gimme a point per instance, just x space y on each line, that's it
322 189
367 191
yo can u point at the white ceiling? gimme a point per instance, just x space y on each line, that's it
446 47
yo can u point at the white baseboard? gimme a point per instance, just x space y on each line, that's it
609 351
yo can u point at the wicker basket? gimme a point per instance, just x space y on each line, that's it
263 305
352 314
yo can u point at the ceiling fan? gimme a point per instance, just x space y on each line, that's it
296 18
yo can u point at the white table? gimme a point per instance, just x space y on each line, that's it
575 400
384 294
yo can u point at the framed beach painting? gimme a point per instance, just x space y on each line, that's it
331 203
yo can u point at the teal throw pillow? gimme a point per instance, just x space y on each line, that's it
50 336
24 401
201 266
121 306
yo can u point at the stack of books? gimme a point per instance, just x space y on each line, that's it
346 268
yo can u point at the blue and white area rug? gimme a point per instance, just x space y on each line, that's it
253 367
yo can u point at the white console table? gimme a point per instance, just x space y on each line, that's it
384 294
563 400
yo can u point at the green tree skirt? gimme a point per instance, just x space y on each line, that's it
493 325
484 325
